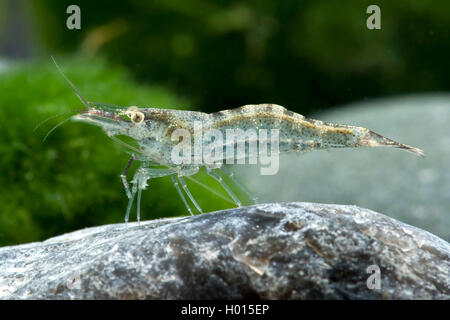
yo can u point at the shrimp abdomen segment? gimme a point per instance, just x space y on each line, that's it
296 133
373 139
299 134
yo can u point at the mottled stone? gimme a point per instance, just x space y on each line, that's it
271 251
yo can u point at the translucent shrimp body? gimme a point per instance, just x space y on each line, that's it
153 130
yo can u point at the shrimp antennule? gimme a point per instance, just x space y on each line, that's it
72 86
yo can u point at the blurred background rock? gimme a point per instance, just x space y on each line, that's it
306 55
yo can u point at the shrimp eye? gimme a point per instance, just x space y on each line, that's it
137 117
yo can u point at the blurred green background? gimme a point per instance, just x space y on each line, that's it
201 55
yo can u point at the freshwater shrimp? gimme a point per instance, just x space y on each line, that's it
152 129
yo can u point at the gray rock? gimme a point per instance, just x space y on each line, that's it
410 189
271 251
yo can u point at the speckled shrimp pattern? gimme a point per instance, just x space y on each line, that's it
299 134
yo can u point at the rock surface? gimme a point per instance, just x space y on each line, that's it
411 189
270 251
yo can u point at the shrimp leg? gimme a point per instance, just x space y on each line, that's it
175 183
130 203
225 186
230 174
123 176
185 188
140 183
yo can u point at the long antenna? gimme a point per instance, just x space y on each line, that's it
53 117
86 104
53 129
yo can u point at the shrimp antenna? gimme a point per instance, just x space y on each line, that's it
53 117
53 129
86 104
